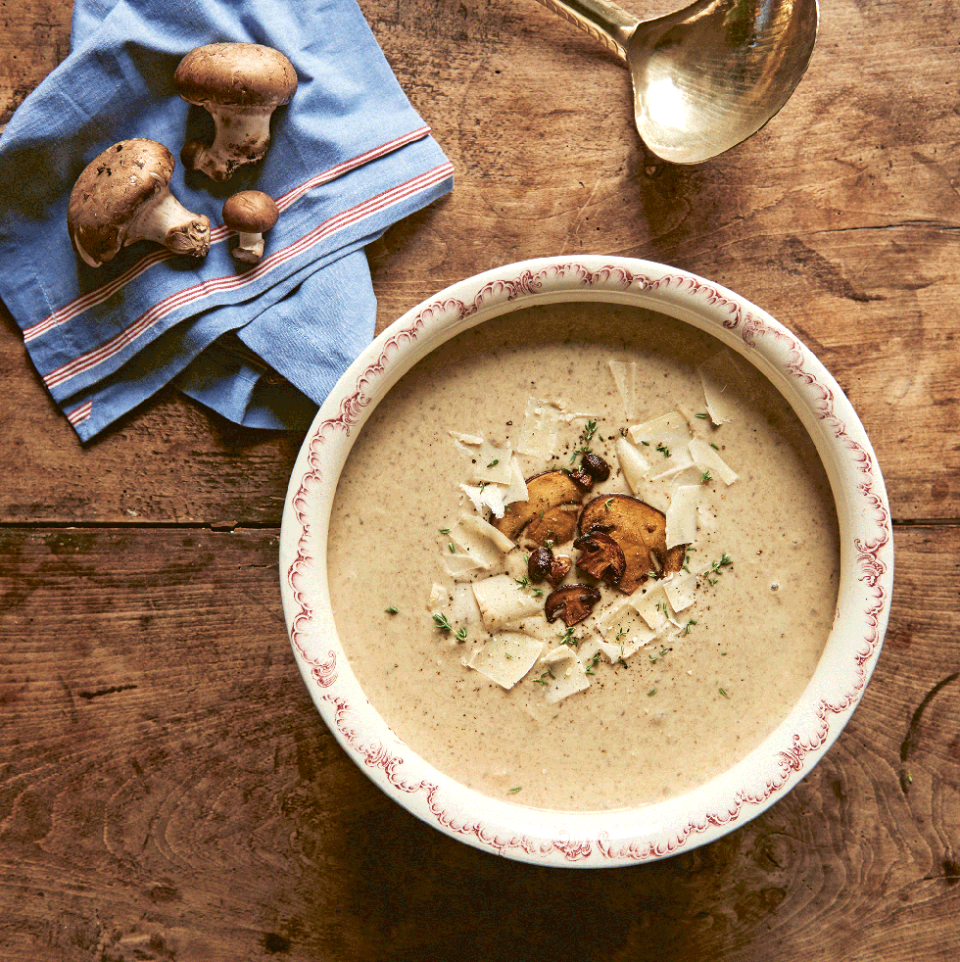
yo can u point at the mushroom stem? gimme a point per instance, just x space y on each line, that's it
241 136
164 220
250 243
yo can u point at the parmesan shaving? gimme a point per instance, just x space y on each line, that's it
461 566
680 590
623 629
612 652
632 463
709 459
480 540
463 608
486 496
625 376
717 375
658 491
706 518
439 597
459 606
506 658
516 490
503 602
566 674
682 515
541 426
668 437
651 604
498 472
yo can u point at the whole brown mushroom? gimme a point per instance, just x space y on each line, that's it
250 213
123 196
239 85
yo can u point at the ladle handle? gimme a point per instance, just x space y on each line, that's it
604 21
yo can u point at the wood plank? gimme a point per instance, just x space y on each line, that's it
842 218
172 461
168 791
34 38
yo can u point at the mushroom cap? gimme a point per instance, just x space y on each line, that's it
236 75
110 191
250 211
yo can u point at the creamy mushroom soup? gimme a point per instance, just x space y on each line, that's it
682 654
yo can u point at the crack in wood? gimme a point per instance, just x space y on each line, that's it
951 873
903 225
113 689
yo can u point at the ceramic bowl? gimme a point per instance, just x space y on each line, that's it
654 831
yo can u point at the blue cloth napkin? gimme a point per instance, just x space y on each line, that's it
263 345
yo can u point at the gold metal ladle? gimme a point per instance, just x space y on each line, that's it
708 76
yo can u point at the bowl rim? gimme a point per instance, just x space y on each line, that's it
623 836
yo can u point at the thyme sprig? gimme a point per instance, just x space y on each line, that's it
586 436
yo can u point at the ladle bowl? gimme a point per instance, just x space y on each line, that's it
706 77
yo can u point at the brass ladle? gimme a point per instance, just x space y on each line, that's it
708 76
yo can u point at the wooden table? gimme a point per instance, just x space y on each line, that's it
167 790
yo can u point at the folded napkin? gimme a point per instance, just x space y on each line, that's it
262 345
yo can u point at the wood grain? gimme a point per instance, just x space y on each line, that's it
34 38
167 790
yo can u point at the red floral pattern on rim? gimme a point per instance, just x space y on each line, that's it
872 568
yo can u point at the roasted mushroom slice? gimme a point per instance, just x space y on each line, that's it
641 533
572 603
542 565
546 515
600 556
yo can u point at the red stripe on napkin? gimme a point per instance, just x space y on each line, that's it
100 294
92 359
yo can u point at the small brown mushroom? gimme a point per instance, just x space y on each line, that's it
595 466
559 570
641 532
581 479
600 556
572 603
542 565
251 213
123 196
539 564
548 514
239 85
